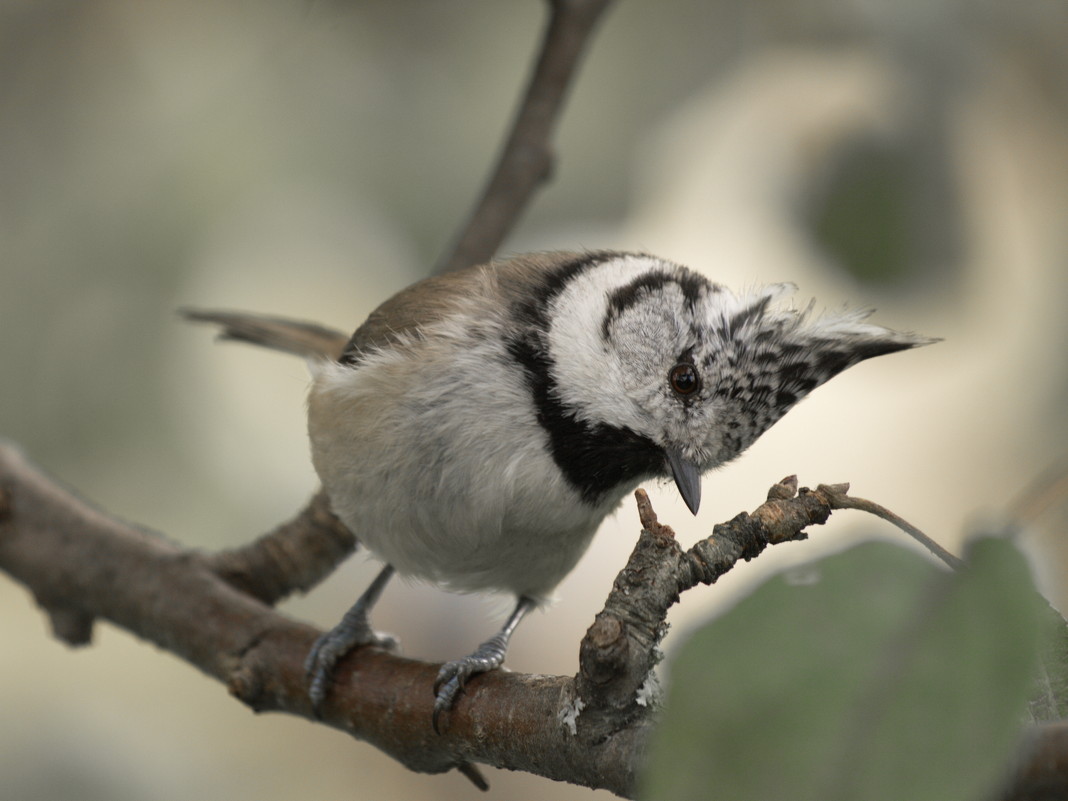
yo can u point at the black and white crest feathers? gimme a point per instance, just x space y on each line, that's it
763 359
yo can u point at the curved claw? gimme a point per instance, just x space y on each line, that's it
444 697
490 655
453 676
328 651
353 630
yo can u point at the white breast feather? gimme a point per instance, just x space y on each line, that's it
438 484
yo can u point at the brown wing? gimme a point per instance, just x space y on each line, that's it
497 285
433 299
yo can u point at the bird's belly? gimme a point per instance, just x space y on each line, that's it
464 536
445 485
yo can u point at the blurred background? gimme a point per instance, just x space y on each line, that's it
311 158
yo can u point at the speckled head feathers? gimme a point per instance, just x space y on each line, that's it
625 329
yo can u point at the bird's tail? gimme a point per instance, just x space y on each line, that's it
308 340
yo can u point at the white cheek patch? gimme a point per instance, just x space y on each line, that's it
648 337
604 377
576 313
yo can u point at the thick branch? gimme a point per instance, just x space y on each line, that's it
588 730
591 730
296 555
526 158
78 562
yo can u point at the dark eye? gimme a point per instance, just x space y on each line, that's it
684 379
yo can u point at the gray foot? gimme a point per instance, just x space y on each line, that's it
353 631
454 675
329 650
488 656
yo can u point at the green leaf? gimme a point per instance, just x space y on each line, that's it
1049 701
869 675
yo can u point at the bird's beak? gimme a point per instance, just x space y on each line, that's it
687 477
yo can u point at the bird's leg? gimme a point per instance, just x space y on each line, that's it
353 630
488 656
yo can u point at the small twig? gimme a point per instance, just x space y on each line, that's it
621 647
471 771
526 158
841 500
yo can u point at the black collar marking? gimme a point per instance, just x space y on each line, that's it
594 458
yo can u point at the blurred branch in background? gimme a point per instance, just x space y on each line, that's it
526 159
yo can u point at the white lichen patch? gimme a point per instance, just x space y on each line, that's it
569 715
650 693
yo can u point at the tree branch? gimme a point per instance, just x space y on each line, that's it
77 560
840 499
620 649
591 729
296 555
81 564
526 158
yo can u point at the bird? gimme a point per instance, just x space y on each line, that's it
479 426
